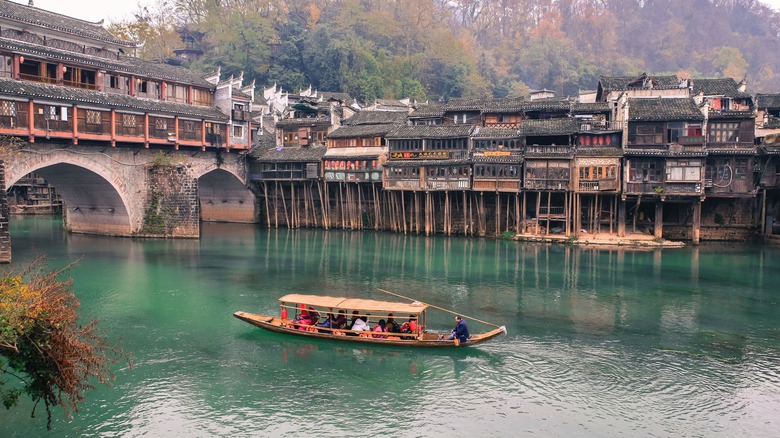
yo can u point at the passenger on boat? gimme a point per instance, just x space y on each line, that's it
355 317
329 321
361 324
392 326
409 326
341 320
307 318
381 327
460 332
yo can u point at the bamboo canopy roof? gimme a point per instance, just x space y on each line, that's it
354 303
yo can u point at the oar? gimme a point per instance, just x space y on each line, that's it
444 310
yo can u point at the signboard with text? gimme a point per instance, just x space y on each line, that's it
420 155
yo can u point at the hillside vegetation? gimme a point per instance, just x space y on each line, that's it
436 49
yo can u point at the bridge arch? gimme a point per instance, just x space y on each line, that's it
224 197
96 200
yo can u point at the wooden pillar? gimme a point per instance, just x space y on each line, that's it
658 225
621 218
15 69
75 117
113 128
577 214
696 232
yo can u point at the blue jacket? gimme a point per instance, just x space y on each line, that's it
461 331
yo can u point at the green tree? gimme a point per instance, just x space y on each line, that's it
730 63
43 347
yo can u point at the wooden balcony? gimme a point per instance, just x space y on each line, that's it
402 184
549 151
35 120
496 185
601 185
663 188
447 183
356 176
552 212
546 184
601 125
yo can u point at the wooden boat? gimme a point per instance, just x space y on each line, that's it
373 310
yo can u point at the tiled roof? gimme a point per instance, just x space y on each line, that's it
599 152
590 108
768 100
59 22
301 122
328 95
127 64
663 109
376 117
268 152
352 131
562 126
718 87
610 83
730 114
514 105
430 131
428 111
466 104
360 153
107 100
418 163
488 132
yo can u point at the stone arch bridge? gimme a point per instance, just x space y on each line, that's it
122 191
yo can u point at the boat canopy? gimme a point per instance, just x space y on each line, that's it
354 303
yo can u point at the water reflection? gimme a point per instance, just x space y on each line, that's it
606 341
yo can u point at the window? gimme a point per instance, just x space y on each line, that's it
8 108
648 134
128 121
723 132
683 170
93 117
143 86
161 124
646 171
113 81
238 131
56 113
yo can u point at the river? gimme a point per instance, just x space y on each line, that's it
601 342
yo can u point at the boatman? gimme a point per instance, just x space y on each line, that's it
460 332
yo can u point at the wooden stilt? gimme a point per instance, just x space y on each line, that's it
267 208
549 204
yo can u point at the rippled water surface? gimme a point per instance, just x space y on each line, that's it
601 342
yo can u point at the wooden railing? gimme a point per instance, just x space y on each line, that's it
71 122
600 185
402 184
546 184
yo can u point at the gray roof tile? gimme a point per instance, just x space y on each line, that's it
126 64
562 126
663 109
768 100
105 100
376 117
352 131
718 87
59 22
430 131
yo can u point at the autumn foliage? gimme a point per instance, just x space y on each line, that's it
43 344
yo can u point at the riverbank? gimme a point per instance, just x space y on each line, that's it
634 240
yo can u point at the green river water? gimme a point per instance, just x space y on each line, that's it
601 342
